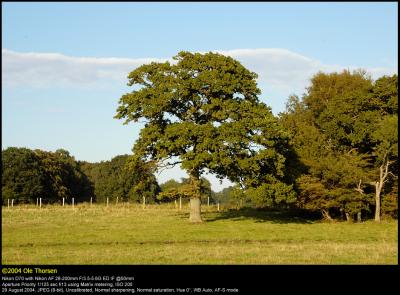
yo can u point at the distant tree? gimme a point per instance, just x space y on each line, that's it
64 177
169 185
205 188
22 176
273 193
27 175
224 196
142 179
203 113
121 178
238 196
173 189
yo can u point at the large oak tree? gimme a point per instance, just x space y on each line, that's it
203 112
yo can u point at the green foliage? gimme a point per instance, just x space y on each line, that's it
65 176
170 185
385 137
23 177
390 203
342 129
224 196
172 190
204 110
343 105
273 194
237 195
314 195
327 90
122 178
27 175
385 95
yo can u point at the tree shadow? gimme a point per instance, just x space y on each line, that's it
266 215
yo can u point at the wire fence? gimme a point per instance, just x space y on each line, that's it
177 204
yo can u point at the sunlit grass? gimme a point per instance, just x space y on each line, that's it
162 234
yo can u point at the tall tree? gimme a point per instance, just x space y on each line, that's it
351 122
385 151
202 112
385 137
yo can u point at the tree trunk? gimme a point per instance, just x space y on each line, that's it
325 214
195 201
383 174
361 191
348 217
342 213
195 210
377 202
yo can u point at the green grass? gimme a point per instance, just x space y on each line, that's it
128 234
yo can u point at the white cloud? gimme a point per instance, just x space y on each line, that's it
44 69
288 72
281 72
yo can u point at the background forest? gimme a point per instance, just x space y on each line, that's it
341 160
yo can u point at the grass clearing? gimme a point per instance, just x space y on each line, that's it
161 234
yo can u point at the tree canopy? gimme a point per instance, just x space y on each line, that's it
344 130
30 174
120 178
203 113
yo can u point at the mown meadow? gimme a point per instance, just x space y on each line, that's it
162 234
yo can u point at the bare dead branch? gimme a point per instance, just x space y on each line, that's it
359 189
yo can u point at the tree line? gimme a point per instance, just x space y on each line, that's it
333 150
344 139
31 174
344 130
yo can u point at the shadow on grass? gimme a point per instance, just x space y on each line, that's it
263 215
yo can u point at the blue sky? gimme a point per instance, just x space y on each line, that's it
64 65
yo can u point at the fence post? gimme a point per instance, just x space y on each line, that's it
180 203
208 201
91 201
12 202
107 201
73 202
40 202
37 202
176 205
218 206
63 202
144 202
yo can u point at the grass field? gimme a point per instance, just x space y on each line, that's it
129 234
